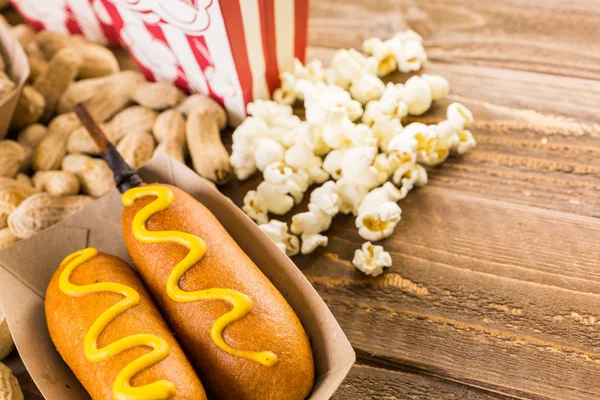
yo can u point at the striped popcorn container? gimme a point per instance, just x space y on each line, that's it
232 50
85 17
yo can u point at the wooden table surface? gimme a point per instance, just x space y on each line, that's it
495 288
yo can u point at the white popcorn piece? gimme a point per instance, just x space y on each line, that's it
362 136
267 152
408 36
277 172
353 190
367 88
460 114
383 53
276 197
371 259
301 182
243 164
279 118
336 128
386 164
428 151
286 92
310 242
407 176
380 222
403 142
356 161
411 56
301 157
277 231
417 96
254 208
466 142
438 86
333 163
379 196
312 72
346 66
447 133
326 198
393 102
310 222
385 129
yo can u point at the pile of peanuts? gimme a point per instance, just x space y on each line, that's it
51 169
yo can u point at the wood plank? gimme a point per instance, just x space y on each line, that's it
367 382
553 36
538 136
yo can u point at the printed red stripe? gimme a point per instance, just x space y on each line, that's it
72 24
196 43
157 33
300 29
34 23
232 17
267 29
118 26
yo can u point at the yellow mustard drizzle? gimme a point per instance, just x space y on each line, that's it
122 389
242 304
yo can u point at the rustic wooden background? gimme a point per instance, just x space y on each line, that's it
495 288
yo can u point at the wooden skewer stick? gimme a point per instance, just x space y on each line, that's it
125 176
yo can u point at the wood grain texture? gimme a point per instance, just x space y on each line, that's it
495 288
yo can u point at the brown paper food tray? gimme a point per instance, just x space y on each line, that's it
17 68
27 266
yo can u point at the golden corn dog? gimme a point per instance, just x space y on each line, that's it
241 335
108 330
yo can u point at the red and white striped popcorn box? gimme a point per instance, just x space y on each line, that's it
233 50
85 17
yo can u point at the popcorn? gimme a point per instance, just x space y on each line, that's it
279 118
366 88
277 172
254 208
267 152
310 242
346 66
286 93
466 142
407 175
460 114
333 144
321 100
362 136
310 222
378 196
417 95
276 197
336 128
410 56
428 150
277 231
371 259
386 164
333 163
380 222
243 164
385 129
383 53
326 198
438 86
300 157
408 36
356 161
353 190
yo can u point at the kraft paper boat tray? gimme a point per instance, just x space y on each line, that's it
27 266
17 68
